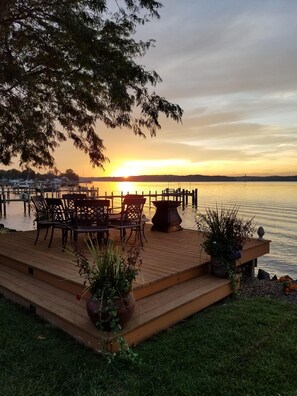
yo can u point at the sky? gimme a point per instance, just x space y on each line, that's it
232 66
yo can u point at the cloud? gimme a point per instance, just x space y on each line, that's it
225 47
231 65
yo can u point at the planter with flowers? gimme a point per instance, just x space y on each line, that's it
224 234
108 274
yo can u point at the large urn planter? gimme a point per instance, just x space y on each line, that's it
100 318
109 273
166 218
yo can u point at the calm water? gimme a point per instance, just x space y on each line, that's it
272 204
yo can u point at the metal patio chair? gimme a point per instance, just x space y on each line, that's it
130 218
69 200
41 220
91 217
58 217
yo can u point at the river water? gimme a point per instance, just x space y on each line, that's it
272 204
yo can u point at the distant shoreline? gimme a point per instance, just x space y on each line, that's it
190 178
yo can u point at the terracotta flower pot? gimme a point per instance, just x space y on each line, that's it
125 307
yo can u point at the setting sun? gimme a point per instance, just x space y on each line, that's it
123 172
145 167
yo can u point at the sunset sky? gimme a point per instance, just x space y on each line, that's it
232 66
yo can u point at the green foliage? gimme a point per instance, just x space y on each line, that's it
110 272
224 235
240 347
66 64
109 275
31 174
4 230
71 175
224 232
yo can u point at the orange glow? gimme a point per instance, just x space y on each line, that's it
147 167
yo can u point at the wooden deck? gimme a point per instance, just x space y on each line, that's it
174 283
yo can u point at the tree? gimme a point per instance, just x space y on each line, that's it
71 175
66 64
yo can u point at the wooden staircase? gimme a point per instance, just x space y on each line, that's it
31 278
152 314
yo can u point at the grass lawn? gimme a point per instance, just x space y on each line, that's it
238 347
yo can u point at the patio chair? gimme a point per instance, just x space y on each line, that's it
91 217
69 200
41 215
117 215
130 218
58 218
115 212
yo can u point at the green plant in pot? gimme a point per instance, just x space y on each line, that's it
224 234
109 273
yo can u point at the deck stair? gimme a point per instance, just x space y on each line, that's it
152 313
36 278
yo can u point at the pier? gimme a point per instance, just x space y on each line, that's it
9 194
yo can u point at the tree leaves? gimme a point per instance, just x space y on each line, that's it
67 64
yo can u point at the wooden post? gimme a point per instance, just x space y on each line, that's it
29 200
4 205
183 198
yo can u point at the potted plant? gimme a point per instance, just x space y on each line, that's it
108 274
224 234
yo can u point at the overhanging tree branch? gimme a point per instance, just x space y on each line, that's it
72 63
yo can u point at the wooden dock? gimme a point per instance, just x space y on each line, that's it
23 195
174 283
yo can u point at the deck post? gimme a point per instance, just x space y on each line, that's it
4 205
196 197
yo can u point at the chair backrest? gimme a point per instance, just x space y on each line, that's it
132 209
132 196
40 207
56 210
91 212
70 198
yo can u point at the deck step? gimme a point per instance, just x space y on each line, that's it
57 306
152 314
60 270
168 307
